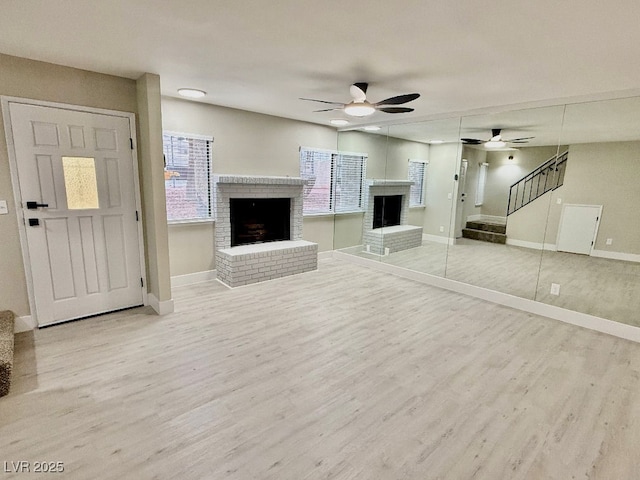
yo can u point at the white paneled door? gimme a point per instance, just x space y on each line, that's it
578 228
78 186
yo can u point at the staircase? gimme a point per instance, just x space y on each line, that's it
486 231
548 176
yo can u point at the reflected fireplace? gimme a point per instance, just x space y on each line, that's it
259 220
386 210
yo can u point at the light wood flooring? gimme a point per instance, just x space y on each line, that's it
343 373
598 286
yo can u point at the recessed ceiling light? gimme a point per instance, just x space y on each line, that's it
191 92
371 128
339 122
436 142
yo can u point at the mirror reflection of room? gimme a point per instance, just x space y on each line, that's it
536 203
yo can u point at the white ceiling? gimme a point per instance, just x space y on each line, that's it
263 55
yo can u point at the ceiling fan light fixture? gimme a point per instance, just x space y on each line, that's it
339 122
359 109
495 144
191 92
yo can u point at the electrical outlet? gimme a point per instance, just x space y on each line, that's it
386 251
555 289
3 207
441 228
609 241
449 195
368 248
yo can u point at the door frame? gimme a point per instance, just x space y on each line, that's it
5 102
595 232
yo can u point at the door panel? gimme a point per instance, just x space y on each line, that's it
578 228
84 256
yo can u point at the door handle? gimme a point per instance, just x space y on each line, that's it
36 205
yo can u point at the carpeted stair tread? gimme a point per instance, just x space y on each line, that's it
7 319
484 236
487 227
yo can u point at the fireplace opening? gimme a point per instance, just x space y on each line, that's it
386 210
258 220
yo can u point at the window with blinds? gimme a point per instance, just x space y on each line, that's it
335 180
187 176
482 181
416 174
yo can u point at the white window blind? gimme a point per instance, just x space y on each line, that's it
316 166
187 175
416 174
335 180
350 172
482 181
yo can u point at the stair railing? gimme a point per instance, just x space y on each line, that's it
548 176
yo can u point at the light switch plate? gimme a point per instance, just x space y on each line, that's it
3 207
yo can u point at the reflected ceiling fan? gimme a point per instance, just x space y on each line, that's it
496 140
360 107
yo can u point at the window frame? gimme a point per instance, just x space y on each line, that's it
211 182
336 158
483 172
423 186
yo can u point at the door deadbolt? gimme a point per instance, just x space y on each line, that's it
34 222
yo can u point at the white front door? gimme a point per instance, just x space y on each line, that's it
578 228
78 186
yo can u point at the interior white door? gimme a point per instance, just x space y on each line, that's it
76 169
578 228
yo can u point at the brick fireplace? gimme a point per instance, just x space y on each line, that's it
385 229
259 252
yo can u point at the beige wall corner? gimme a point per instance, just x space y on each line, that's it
153 195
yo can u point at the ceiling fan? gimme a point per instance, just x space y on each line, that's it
360 107
496 140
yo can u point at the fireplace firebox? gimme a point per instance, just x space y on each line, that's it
259 220
386 210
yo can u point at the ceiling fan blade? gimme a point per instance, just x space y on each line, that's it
472 141
327 110
358 91
395 109
515 140
321 101
399 100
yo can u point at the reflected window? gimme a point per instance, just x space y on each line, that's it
80 182
335 181
416 174
482 182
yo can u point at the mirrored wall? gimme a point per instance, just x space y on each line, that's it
539 203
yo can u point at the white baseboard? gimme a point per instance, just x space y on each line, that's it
628 257
584 320
161 308
427 237
325 255
535 245
191 278
487 218
24 324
